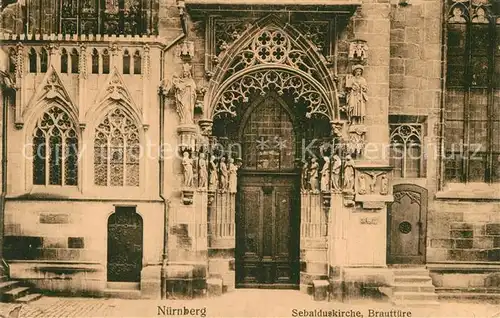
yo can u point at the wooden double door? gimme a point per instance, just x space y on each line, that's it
268 216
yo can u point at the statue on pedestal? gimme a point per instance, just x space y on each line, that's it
224 174
233 176
336 167
357 95
214 177
185 95
349 174
304 184
325 175
313 175
384 185
203 173
362 184
187 165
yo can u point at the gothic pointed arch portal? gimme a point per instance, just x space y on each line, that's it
274 58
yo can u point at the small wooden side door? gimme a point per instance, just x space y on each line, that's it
407 225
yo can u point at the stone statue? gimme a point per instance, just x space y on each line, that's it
349 174
202 172
185 95
336 166
313 175
362 184
187 164
304 184
325 175
356 97
233 176
384 185
214 177
223 174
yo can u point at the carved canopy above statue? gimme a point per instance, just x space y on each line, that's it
273 58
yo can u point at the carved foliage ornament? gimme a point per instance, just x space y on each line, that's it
263 81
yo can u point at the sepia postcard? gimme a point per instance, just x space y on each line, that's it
250 158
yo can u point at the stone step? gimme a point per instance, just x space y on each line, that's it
5 286
4 278
412 287
411 272
13 294
122 293
412 279
469 296
416 303
404 296
28 298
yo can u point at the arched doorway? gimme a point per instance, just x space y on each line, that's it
125 244
407 225
268 207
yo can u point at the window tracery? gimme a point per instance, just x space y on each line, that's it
64 61
126 62
74 61
137 62
44 61
406 150
32 56
472 120
116 151
55 149
12 60
134 17
105 62
95 61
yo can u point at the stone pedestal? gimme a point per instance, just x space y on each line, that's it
150 282
320 288
187 136
222 238
179 282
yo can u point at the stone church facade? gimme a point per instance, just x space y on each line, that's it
178 148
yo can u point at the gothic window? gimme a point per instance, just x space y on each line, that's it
134 17
116 151
126 62
406 150
64 61
12 60
124 16
44 61
137 62
74 61
105 62
32 59
268 138
472 115
95 61
55 149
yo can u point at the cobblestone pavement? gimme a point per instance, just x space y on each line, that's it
241 303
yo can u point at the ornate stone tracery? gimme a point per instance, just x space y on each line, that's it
272 46
268 48
265 80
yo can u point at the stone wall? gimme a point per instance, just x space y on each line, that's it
61 246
